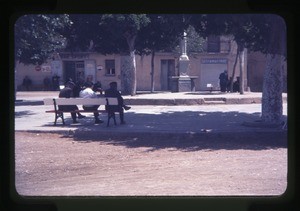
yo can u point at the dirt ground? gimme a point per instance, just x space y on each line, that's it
53 164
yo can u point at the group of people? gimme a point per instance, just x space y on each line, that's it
52 84
89 90
225 83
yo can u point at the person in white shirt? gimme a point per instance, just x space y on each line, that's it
89 93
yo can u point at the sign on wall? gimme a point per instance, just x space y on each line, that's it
214 61
211 68
46 68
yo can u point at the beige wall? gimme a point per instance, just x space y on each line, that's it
143 68
37 77
256 66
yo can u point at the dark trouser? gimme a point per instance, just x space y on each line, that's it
92 108
117 108
223 87
69 108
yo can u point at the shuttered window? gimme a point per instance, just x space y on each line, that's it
110 67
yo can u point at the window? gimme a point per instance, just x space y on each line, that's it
79 65
110 67
213 44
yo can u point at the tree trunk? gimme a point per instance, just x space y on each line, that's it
272 90
234 68
128 74
128 67
152 71
242 78
272 82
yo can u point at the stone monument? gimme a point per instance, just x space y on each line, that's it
184 82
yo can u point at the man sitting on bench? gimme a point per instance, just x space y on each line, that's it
89 93
67 92
113 92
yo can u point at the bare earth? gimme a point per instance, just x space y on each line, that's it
51 164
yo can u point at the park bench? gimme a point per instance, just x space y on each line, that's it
106 101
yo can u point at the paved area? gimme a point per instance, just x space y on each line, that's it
161 98
149 114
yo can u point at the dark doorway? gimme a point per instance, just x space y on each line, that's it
73 70
69 67
167 70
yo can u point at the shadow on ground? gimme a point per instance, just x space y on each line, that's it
155 141
186 131
21 114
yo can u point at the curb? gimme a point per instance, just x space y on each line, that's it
167 102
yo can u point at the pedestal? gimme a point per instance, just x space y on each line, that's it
183 83
183 67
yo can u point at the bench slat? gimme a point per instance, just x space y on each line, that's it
81 101
75 111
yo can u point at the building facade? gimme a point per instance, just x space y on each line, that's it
204 67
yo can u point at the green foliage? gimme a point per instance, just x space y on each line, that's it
37 36
195 43
252 31
163 33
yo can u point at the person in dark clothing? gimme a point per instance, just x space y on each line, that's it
113 92
55 82
77 88
236 85
47 83
67 92
223 81
27 82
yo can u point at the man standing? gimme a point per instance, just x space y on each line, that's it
113 92
223 81
55 82
89 93
27 83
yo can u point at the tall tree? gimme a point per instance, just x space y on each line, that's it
37 36
162 34
257 32
273 82
125 27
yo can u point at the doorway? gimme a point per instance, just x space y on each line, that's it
167 70
73 70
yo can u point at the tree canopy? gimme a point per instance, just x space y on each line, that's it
37 36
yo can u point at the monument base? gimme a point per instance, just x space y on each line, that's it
183 83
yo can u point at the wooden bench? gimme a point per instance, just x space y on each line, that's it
102 101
